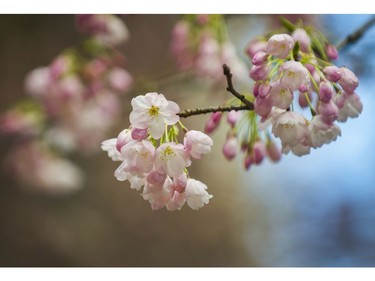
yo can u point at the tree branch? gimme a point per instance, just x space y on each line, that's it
198 111
357 34
230 88
248 105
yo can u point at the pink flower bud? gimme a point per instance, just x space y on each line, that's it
255 46
259 150
329 111
304 40
264 90
256 89
310 68
303 88
332 73
332 52
279 45
259 72
302 100
213 122
273 152
325 91
248 161
230 148
233 117
156 178
139 134
263 106
179 183
259 58
348 81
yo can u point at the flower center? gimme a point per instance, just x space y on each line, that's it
153 111
168 153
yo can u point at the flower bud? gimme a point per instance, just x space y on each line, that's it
264 90
230 148
273 152
256 89
304 40
248 161
325 91
255 46
233 117
348 81
259 58
332 52
139 134
279 45
258 152
259 72
332 73
213 122
329 111
302 100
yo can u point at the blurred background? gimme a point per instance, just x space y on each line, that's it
311 211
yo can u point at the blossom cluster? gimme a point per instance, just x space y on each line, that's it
201 43
72 104
291 72
288 69
153 158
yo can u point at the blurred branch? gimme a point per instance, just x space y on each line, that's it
357 34
248 105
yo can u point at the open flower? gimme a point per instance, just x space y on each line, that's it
172 159
279 45
153 112
294 75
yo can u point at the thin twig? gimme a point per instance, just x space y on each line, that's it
198 111
357 34
231 89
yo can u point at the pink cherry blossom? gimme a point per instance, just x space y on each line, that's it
172 159
139 156
325 91
153 112
351 106
123 138
321 132
291 128
158 195
110 146
280 45
123 173
273 152
196 195
197 143
255 46
280 96
294 74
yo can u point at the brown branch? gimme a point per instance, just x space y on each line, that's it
198 111
231 89
248 105
357 34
